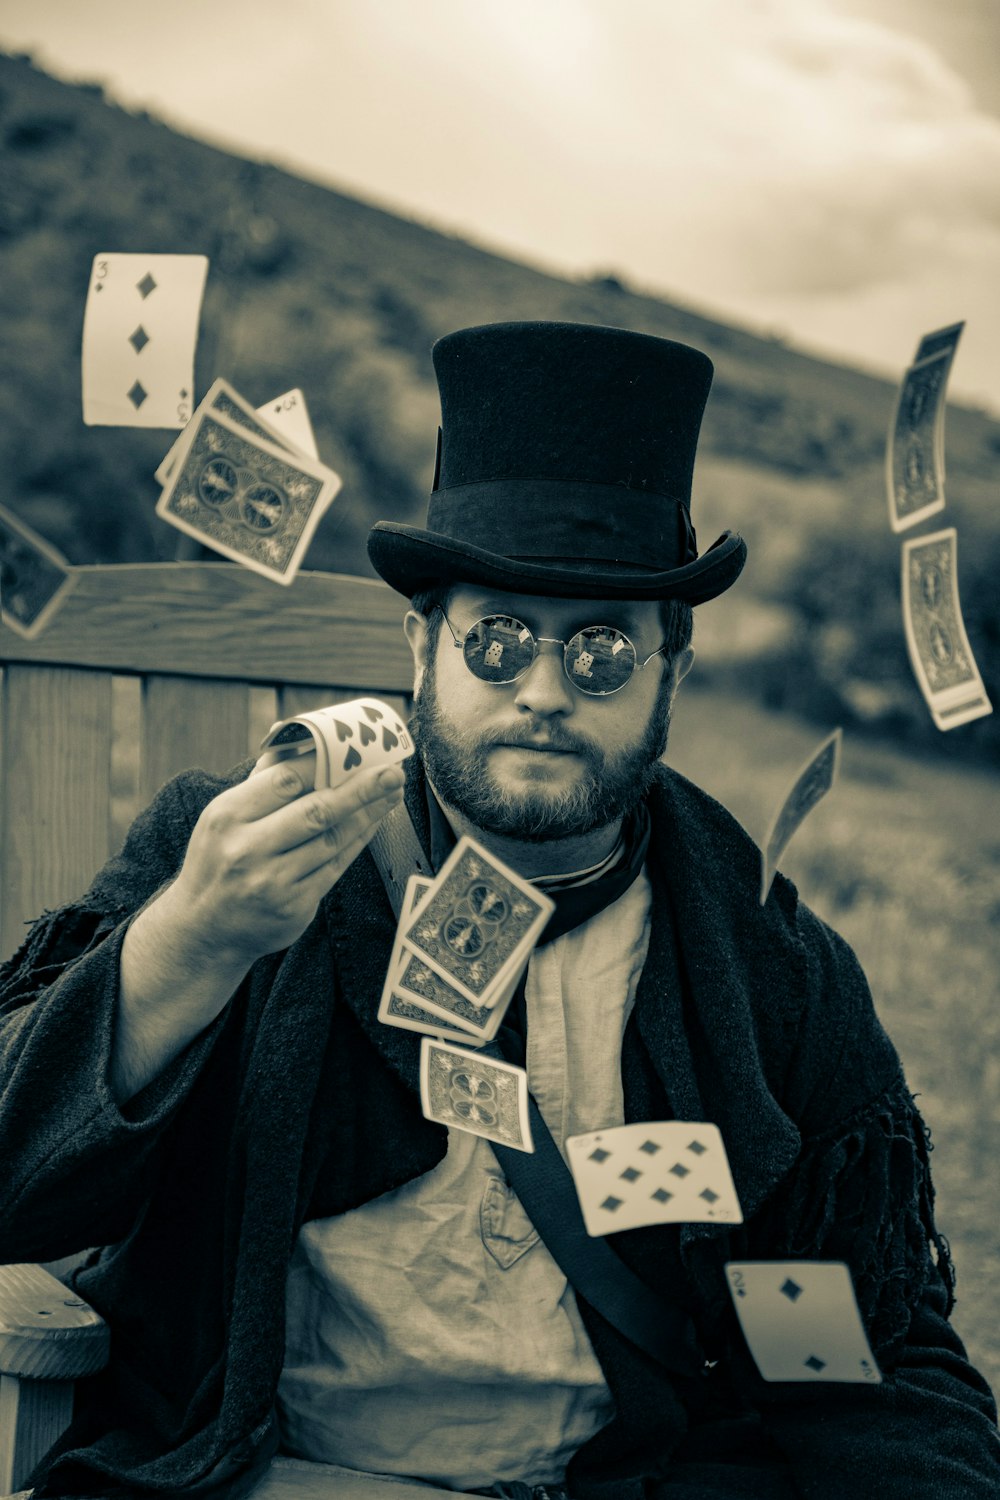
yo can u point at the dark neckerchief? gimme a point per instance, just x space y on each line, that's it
574 904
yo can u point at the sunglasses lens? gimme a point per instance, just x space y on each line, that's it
600 660
499 648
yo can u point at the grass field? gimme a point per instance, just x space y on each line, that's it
903 859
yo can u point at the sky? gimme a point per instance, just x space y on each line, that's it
826 170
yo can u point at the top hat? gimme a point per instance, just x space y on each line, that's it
563 468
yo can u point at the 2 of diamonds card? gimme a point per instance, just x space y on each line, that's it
140 328
801 1321
659 1172
482 1095
478 923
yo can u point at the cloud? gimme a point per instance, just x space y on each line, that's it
775 160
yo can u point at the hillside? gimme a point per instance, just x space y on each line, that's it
309 287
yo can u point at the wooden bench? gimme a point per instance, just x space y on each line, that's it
145 670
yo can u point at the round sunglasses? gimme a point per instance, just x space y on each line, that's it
598 660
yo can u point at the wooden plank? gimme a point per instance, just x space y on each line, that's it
126 729
55 724
299 700
47 1332
190 723
33 1413
220 620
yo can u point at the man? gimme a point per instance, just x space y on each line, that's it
194 1074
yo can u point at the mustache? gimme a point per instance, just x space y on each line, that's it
552 737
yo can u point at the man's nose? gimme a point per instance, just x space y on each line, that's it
545 689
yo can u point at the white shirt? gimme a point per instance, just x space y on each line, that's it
430 1333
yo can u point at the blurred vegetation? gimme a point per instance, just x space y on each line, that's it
310 288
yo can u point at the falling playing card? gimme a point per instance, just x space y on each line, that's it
34 577
660 1172
140 328
395 1009
478 923
245 497
941 341
436 996
223 398
290 416
809 787
362 733
939 649
915 450
479 1094
800 1320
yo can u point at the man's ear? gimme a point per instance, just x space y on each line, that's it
682 664
415 628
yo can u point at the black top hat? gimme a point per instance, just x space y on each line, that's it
563 468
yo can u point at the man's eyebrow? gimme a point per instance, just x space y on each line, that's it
618 612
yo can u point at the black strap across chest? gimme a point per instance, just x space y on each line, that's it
544 1183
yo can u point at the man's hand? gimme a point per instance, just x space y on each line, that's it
259 861
264 854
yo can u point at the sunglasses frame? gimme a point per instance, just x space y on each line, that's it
552 640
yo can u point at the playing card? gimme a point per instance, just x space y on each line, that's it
481 1095
395 1009
478 924
290 416
364 732
800 1320
915 451
809 787
223 398
35 578
941 341
245 497
140 328
660 1172
290 740
939 648
419 985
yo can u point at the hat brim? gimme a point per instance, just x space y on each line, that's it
412 560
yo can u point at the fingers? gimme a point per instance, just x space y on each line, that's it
339 841
361 800
267 790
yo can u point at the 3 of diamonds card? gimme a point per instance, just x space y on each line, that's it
660 1172
801 1321
479 1094
140 327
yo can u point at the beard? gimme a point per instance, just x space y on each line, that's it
609 787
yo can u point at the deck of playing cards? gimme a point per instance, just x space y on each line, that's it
362 734
235 482
140 328
801 1321
659 1172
